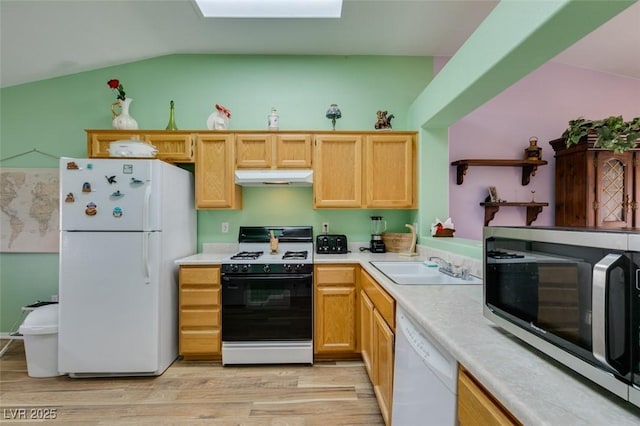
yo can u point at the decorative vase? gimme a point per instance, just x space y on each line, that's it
172 119
218 121
122 120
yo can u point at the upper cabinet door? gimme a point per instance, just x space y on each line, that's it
337 181
254 151
174 146
614 189
293 151
215 184
98 142
390 171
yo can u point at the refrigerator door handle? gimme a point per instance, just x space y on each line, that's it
145 257
599 308
146 211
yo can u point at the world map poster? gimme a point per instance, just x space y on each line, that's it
29 210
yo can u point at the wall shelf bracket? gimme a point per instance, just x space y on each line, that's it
529 167
533 210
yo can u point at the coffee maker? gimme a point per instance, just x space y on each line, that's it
378 226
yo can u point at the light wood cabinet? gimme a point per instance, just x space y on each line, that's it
362 170
477 407
366 332
337 180
383 347
335 309
199 312
269 151
596 187
377 329
351 169
173 146
214 180
254 151
293 151
390 171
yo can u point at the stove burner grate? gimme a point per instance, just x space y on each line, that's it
295 255
247 255
498 254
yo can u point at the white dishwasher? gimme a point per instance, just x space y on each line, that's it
425 378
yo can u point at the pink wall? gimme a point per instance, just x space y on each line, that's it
541 104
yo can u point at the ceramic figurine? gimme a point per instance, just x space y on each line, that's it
384 120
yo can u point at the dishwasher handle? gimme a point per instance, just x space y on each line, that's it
432 354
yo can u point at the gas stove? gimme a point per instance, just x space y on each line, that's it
267 297
293 252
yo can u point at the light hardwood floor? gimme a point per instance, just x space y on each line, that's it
328 393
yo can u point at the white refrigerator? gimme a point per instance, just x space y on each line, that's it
123 223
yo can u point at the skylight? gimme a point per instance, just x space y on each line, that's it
270 8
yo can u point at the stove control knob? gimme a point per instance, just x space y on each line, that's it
267 268
298 266
234 268
245 268
286 267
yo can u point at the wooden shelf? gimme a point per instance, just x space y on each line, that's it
533 210
529 167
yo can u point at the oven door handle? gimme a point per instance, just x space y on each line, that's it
601 284
267 277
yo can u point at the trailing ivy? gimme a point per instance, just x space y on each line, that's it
612 133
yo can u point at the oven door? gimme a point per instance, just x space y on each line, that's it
266 307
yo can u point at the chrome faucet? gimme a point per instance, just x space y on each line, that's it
441 262
446 268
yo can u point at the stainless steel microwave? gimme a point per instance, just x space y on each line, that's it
571 293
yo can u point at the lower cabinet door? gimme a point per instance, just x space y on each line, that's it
476 407
335 318
383 343
366 332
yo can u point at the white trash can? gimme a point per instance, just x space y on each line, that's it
40 331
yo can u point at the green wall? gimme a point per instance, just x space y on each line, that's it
51 116
514 39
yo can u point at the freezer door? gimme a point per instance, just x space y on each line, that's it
109 195
109 302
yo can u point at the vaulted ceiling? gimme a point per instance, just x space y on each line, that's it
41 39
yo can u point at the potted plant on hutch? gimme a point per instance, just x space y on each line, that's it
612 133
596 173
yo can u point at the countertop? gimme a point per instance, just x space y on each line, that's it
532 386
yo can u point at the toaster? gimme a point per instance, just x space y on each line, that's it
331 244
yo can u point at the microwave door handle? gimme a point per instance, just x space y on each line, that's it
598 307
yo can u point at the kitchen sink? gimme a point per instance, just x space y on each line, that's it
419 273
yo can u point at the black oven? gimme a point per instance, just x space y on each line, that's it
571 293
267 307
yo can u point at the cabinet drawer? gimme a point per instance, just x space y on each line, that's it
200 275
332 275
200 342
200 317
383 302
199 297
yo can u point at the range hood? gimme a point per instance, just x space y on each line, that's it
274 177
